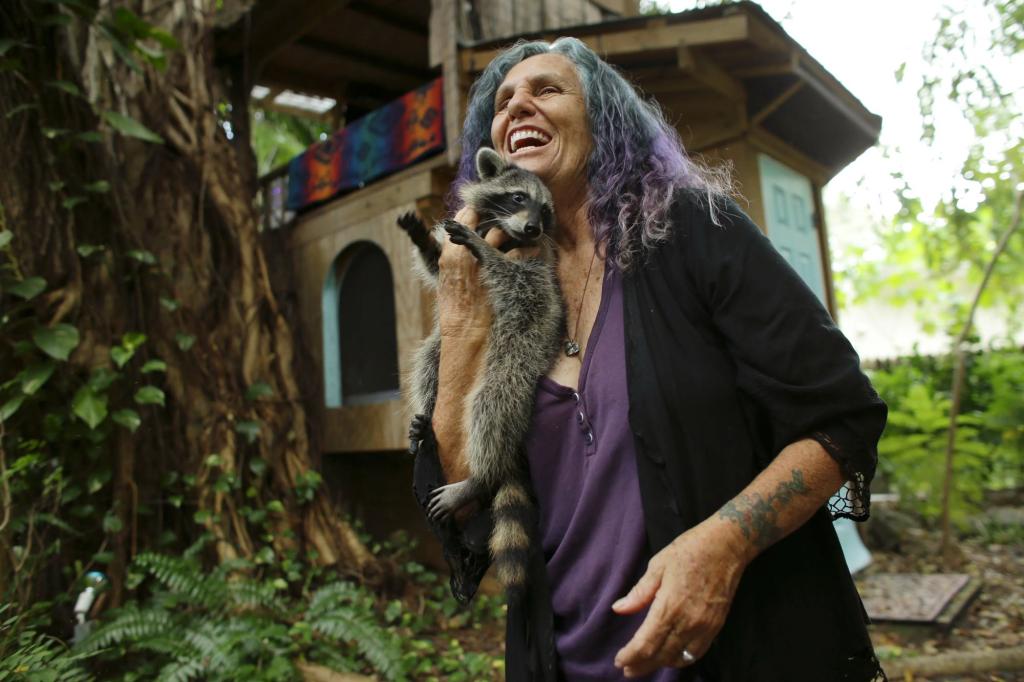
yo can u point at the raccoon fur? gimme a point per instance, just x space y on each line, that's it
526 331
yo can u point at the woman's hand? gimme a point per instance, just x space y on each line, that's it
462 304
689 586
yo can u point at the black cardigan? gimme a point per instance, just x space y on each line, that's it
730 357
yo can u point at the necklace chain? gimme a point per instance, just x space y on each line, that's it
572 346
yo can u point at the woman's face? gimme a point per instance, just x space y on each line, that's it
540 121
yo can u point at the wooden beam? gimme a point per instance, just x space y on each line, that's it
364 59
781 99
272 26
381 14
710 74
351 70
841 100
644 39
786 68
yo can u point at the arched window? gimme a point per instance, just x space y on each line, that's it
360 343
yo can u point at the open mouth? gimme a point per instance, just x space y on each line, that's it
525 138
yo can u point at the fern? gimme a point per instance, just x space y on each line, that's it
185 577
129 625
374 643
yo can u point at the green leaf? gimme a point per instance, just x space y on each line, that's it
56 20
130 24
154 366
5 238
166 40
71 202
54 133
57 341
98 187
132 340
66 86
257 466
86 250
213 460
275 506
20 108
121 356
129 419
126 125
89 406
56 185
112 524
149 395
142 256
169 304
259 390
89 136
29 288
7 43
101 379
34 376
184 341
249 429
10 407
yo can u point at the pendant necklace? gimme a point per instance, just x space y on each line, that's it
572 347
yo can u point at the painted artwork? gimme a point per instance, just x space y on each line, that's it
382 142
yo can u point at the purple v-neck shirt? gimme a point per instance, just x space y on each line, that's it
583 467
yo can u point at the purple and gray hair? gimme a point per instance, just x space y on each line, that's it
638 161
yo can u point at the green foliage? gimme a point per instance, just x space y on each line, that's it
990 429
30 655
933 255
277 136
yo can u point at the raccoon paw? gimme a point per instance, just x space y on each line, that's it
411 223
459 233
419 431
448 499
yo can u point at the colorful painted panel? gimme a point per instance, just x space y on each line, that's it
382 142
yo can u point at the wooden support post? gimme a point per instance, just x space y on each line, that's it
444 50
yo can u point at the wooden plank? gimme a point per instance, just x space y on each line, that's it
706 71
272 26
789 155
633 40
779 100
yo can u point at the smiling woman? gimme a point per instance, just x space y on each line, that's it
704 411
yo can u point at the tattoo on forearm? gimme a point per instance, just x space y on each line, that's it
757 516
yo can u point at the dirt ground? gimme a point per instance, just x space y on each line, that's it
994 619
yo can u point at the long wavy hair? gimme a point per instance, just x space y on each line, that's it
637 163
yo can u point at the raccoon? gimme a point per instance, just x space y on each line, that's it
526 331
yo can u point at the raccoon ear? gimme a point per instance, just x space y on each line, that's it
489 163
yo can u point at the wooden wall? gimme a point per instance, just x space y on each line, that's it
316 242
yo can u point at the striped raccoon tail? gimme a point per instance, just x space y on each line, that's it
513 513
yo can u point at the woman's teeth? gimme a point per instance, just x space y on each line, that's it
520 139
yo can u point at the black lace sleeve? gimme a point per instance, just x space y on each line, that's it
465 547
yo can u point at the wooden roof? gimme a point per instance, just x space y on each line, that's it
363 52
366 53
738 53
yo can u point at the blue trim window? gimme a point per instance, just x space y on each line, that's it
359 332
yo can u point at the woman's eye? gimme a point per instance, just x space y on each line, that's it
548 89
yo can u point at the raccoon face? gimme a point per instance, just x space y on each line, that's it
510 198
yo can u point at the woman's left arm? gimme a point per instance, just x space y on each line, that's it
689 585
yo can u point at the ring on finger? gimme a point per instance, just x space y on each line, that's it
687 657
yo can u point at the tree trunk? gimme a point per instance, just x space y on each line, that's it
205 304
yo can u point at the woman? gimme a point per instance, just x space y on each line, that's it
683 459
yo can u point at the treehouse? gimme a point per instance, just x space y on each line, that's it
392 77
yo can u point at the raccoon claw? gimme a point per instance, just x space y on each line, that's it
444 502
458 233
419 431
410 223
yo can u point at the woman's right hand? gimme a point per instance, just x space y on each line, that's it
462 303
